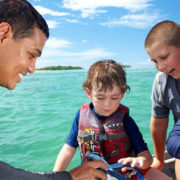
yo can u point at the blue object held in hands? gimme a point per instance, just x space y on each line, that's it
113 167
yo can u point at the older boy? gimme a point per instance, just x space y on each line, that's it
163 47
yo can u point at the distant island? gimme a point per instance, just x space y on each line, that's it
50 68
59 68
126 66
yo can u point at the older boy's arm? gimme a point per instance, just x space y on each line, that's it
64 158
158 132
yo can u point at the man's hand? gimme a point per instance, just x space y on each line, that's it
88 171
157 164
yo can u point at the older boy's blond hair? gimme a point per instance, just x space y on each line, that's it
104 75
165 31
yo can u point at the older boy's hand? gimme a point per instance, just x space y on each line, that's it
89 171
157 164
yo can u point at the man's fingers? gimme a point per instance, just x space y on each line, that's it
100 174
97 164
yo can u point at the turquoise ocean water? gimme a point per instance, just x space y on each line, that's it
36 117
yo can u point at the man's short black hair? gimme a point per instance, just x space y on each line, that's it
22 17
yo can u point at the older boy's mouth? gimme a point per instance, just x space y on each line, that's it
171 71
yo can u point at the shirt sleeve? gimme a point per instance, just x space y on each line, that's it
135 135
8 172
173 143
72 137
159 110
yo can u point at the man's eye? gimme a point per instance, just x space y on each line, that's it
32 55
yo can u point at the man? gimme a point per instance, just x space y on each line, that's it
23 33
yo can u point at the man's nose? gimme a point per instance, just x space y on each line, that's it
31 67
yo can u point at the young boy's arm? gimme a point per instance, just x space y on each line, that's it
143 160
64 158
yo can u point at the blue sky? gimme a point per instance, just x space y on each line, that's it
84 31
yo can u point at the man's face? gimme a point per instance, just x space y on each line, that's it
166 58
18 57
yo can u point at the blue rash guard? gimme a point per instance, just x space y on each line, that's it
173 143
130 127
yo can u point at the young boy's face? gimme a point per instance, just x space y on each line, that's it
105 102
166 58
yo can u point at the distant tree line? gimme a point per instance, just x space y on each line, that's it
60 68
50 68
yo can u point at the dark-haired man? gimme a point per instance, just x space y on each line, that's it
23 33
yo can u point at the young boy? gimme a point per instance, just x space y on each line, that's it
163 47
104 127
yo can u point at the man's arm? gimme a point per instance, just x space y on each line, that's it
8 172
86 171
158 132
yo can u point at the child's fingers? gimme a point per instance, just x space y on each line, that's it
121 160
134 163
125 169
127 160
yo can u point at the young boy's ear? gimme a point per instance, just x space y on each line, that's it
122 95
88 93
5 30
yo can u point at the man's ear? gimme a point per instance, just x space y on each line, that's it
5 30
88 93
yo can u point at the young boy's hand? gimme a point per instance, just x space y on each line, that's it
135 161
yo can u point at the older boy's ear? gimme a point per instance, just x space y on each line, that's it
5 30
88 93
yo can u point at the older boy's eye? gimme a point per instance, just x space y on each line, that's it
154 61
164 57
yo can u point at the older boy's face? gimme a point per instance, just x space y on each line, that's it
17 57
105 102
166 58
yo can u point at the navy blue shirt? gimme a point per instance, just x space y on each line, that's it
130 127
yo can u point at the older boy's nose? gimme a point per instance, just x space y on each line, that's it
161 67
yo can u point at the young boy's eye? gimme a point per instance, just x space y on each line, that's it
114 98
100 98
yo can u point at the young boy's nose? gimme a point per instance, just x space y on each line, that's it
107 103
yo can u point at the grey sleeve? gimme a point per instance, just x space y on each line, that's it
8 172
159 110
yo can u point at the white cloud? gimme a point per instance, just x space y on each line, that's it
57 56
84 41
54 43
52 24
134 20
89 54
44 11
72 20
89 7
